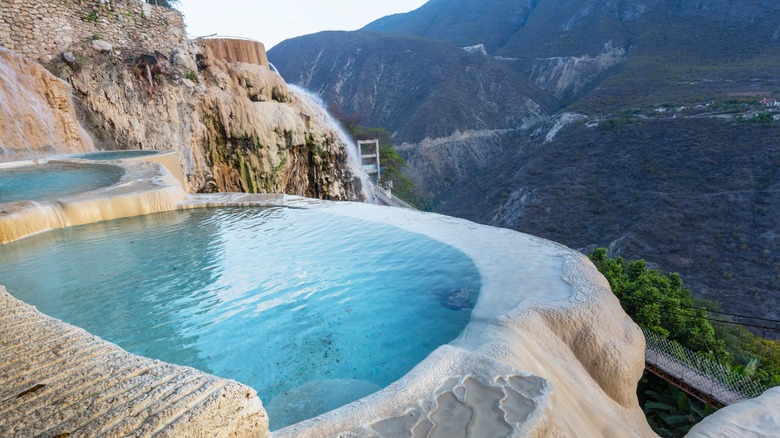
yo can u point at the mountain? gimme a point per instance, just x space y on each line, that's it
413 87
650 138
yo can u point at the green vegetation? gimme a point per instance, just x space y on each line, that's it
617 123
670 412
659 302
390 160
762 118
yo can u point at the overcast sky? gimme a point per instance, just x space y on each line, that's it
273 21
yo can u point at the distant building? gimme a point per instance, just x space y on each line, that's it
769 102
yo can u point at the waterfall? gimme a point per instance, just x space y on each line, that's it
316 106
37 117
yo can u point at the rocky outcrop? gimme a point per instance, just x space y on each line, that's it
237 50
758 417
435 165
236 125
37 115
566 76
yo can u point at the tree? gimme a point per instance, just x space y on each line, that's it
659 302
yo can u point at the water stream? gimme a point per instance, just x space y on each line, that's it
317 108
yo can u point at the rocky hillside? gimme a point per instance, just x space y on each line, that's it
695 196
399 82
652 139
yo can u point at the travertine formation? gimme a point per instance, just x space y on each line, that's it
145 187
58 380
758 417
37 115
237 50
548 350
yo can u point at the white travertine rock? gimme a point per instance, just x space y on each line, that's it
548 350
146 187
758 417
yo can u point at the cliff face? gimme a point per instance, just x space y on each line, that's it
236 126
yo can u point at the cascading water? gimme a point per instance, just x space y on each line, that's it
37 117
314 104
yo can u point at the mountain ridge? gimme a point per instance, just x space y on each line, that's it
627 77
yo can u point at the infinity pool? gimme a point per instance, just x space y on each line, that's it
54 180
312 309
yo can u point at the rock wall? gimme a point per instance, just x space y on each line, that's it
43 29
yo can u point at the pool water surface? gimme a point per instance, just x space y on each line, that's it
115 155
310 308
54 180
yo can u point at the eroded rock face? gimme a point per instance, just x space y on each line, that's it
140 85
236 126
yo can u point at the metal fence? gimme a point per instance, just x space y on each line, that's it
699 371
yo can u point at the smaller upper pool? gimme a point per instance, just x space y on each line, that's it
54 180
114 155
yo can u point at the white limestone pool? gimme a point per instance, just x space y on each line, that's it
312 309
34 182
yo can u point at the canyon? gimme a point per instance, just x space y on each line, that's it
548 351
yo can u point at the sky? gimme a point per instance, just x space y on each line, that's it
273 21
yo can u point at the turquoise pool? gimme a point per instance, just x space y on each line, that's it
54 180
312 309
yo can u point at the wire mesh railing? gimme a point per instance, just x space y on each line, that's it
701 372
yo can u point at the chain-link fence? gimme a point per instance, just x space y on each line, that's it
699 371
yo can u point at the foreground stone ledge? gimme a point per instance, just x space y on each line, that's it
58 379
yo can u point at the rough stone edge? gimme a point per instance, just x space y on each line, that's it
231 410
